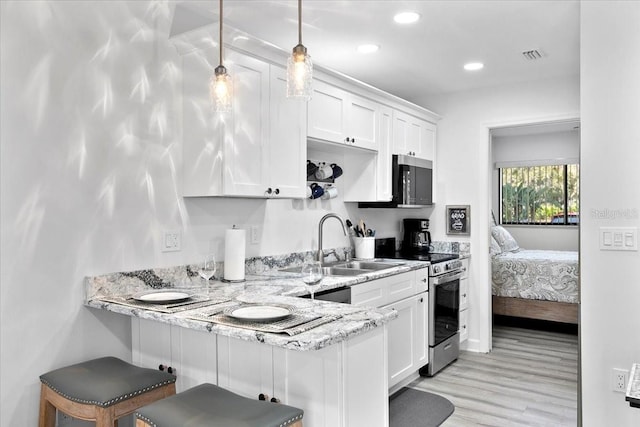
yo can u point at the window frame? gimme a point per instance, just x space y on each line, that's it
567 214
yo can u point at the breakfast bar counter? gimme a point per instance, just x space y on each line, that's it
335 369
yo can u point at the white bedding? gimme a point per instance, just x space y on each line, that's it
536 274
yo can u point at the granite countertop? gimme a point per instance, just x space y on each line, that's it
269 286
633 389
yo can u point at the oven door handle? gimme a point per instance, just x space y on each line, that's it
446 278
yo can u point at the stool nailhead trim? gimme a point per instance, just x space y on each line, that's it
112 401
284 424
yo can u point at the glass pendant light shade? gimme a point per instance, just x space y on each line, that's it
299 74
221 90
299 67
220 84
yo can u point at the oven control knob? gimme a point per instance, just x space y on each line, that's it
436 269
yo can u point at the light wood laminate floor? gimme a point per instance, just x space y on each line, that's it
529 379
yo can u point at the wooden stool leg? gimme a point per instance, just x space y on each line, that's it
105 417
47 411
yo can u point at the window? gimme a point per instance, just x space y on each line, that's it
540 195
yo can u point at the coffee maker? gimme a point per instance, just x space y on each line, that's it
417 239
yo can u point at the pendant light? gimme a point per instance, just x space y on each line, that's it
299 67
220 88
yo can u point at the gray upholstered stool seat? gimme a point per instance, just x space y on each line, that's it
208 405
101 390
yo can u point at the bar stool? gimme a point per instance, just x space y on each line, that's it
207 405
101 390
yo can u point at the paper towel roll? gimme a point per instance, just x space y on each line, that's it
234 247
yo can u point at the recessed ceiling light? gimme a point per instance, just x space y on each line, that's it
474 66
368 48
406 17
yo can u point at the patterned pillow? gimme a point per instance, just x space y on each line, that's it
505 240
494 248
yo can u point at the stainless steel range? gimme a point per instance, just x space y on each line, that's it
444 305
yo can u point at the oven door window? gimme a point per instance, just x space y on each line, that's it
447 303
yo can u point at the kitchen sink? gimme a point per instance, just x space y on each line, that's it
352 268
369 265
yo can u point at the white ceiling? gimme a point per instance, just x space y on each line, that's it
420 59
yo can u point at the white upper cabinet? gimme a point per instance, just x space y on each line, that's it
413 136
336 115
257 150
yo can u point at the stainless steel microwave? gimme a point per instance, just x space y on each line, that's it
411 185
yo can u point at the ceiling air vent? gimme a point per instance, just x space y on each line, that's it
532 55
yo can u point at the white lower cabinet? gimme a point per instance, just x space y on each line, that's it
407 342
341 385
190 354
408 350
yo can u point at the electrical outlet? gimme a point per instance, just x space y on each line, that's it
619 380
254 235
171 240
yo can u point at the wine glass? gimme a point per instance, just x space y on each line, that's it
311 275
207 268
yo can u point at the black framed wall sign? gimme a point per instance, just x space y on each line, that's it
458 220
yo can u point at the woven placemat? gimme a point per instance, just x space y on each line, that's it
196 301
295 324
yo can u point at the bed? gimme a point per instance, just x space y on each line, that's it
534 284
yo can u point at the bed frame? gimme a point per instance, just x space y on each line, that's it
536 309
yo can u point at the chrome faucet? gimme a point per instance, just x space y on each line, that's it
320 254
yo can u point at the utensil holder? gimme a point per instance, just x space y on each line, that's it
365 247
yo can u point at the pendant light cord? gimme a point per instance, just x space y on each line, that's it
299 21
220 1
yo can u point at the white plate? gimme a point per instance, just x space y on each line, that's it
259 313
162 297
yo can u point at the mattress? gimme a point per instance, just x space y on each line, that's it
536 274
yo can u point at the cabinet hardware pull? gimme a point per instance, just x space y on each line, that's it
275 400
424 280
269 190
263 396
277 191
421 299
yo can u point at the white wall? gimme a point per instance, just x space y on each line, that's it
91 174
610 281
464 165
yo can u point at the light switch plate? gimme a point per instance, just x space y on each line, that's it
618 238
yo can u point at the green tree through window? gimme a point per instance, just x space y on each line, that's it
540 195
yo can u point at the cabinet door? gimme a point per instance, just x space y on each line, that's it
426 141
327 113
287 140
383 165
190 354
401 127
464 285
401 285
422 328
362 122
402 332
464 323
374 293
413 136
246 133
245 367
